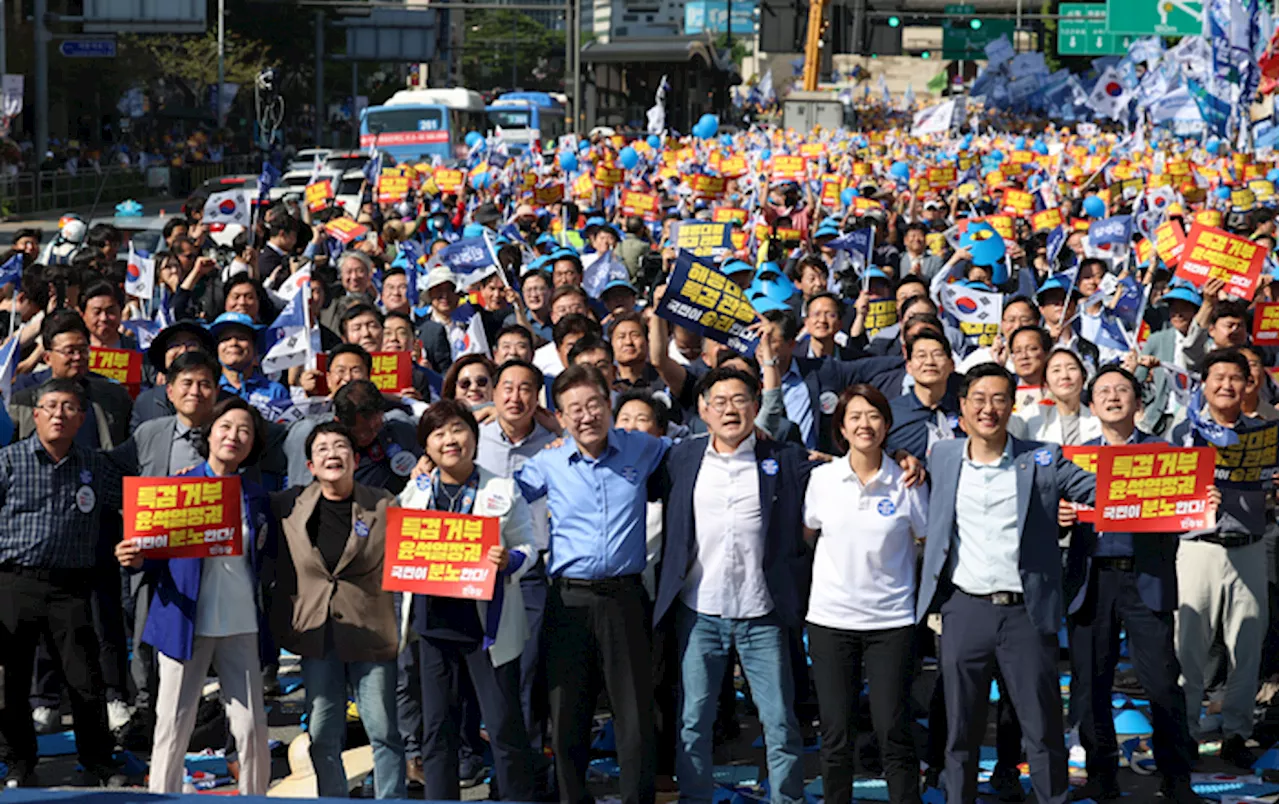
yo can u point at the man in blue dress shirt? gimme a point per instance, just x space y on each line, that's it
596 486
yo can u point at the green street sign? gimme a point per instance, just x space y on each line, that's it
1160 17
962 42
959 8
1082 31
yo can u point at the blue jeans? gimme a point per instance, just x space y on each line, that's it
374 684
762 647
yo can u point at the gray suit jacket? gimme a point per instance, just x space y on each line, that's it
146 453
1155 394
930 264
1044 477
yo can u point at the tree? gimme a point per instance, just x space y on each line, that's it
502 48
193 60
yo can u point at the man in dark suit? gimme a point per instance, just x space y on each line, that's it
735 575
992 568
811 385
1130 580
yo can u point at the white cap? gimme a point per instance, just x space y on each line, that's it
73 231
438 275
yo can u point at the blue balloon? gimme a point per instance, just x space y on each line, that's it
710 124
705 130
1223 192
1095 207
1273 175
584 146
1212 146
654 141
847 195
1041 148
726 139
568 161
996 156
900 170
628 157
1021 144
474 137
766 154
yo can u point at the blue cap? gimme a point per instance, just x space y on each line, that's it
563 251
595 224
875 273
769 269
232 320
618 283
473 230
537 264
546 237
1052 283
763 304
1183 292
731 267
826 229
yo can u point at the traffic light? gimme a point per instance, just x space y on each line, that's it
894 22
924 55
975 24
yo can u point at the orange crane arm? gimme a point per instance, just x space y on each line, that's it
813 44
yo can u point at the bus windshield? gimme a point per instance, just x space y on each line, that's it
390 121
509 118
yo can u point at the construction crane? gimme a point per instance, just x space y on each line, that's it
813 43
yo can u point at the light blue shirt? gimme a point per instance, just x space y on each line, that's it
597 505
799 404
985 558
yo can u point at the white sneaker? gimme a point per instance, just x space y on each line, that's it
46 720
118 715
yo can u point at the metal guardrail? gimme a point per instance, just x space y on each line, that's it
58 190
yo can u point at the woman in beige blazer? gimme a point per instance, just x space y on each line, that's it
487 636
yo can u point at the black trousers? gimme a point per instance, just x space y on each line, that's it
108 624
55 605
598 635
441 665
978 636
1112 601
839 657
1008 732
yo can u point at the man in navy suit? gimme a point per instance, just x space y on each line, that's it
1129 579
735 574
992 568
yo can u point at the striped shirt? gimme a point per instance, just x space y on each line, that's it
50 513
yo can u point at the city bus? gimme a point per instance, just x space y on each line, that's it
525 117
415 125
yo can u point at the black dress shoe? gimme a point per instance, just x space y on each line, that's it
109 776
1237 753
20 774
1180 792
1098 790
1008 787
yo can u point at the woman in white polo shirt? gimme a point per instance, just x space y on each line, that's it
864 523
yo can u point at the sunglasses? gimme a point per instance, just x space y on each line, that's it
465 383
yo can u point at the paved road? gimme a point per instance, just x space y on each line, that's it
47 222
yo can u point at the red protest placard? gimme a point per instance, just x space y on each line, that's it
941 178
788 168
392 371
549 193
1018 202
706 186
345 230
1154 488
1211 253
1266 324
729 215
1087 459
183 517
448 180
439 553
122 365
1170 242
393 186
318 195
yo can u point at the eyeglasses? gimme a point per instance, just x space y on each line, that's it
1123 391
580 413
465 383
997 401
72 351
721 403
65 409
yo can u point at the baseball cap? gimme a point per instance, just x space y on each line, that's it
227 320
1183 292
438 276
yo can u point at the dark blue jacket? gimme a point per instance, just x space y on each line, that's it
1154 558
827 377
171 621
783 469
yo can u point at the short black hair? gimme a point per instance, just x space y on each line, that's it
355 311
514 329
62 386
352 349
928 335
826 294
441 413
916 226
1027 300
193 361
916 301
27 232
574 324
1046 342
99 287
982 370
1116 368
538 376
172 224
573 258
912 279
1234 308
60 322
1230 355
357 398
576 375
100 234
786 322
334 427
659 410
402 316
590 343
725 374
222 408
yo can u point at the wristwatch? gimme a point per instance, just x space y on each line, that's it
771 363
